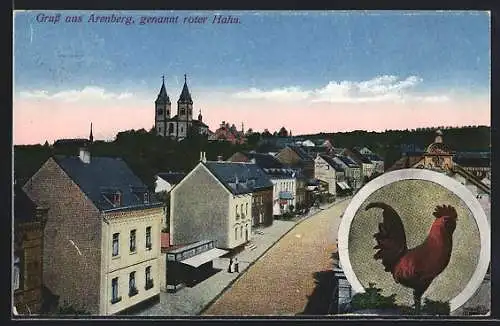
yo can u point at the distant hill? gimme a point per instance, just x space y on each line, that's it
148 154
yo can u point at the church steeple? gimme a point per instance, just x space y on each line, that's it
91 137
163 96
200 117
185 95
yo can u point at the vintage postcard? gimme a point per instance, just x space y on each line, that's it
251 163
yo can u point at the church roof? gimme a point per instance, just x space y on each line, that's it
185 95
163 96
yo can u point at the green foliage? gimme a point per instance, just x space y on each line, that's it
373 299
67 309
432 307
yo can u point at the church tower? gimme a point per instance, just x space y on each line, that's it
184 111
162 110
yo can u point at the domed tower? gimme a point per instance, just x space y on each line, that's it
162 110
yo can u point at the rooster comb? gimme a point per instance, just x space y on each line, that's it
445 210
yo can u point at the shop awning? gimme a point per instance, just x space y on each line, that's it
343 185
285 195
204 257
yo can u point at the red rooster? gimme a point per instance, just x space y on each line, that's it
415 268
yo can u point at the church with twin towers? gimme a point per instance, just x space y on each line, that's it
179 125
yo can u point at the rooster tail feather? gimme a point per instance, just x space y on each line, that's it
391 237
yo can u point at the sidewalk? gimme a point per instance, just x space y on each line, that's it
192 301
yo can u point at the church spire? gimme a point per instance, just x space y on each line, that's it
185 95
200 117
163 96
91 137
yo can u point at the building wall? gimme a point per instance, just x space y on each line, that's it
199 209
73 222
283 184
323 171
262 207
29 246
126 261
240 230
367 169
163 272
379 166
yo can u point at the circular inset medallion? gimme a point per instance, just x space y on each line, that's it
415 231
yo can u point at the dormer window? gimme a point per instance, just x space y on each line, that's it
116 199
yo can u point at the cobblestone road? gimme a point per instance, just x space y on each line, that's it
280 282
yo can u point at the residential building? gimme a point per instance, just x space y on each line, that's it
476 163
367 166
296 157
225 191
228 133
377 161
325 170
29 223
102 237
352 171
178 126
439 157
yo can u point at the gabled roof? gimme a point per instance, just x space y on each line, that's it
24 207
72 142
301 153
348 161
171 177
404 162
264 160
330 160
360 158
373 157
105 174
239 178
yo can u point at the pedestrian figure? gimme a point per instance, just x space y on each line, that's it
236 265
230 268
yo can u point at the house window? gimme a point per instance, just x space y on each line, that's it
246 208
116 199
168 112
171 128
182 129
132 289
17 273
236 233
241 231
114 291
148 238
149 280
241 209
116 237
237 215
160 111
132 241
183 111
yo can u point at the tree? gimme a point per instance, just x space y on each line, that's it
283 132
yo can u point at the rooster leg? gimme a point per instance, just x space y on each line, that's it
417 298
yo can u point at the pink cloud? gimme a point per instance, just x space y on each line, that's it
40 119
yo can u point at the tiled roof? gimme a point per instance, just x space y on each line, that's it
103 175
405 162
24 207
199 123
72 142
240 178
264 160
301 153
479 162
185 96
162 96
331 161
348 161
172 177
373 157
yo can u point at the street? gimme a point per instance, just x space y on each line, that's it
286 279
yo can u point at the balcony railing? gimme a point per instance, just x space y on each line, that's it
149 284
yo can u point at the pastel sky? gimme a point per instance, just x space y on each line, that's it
308 71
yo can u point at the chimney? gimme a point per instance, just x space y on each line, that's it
201 156
204 157
84 155
219 158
